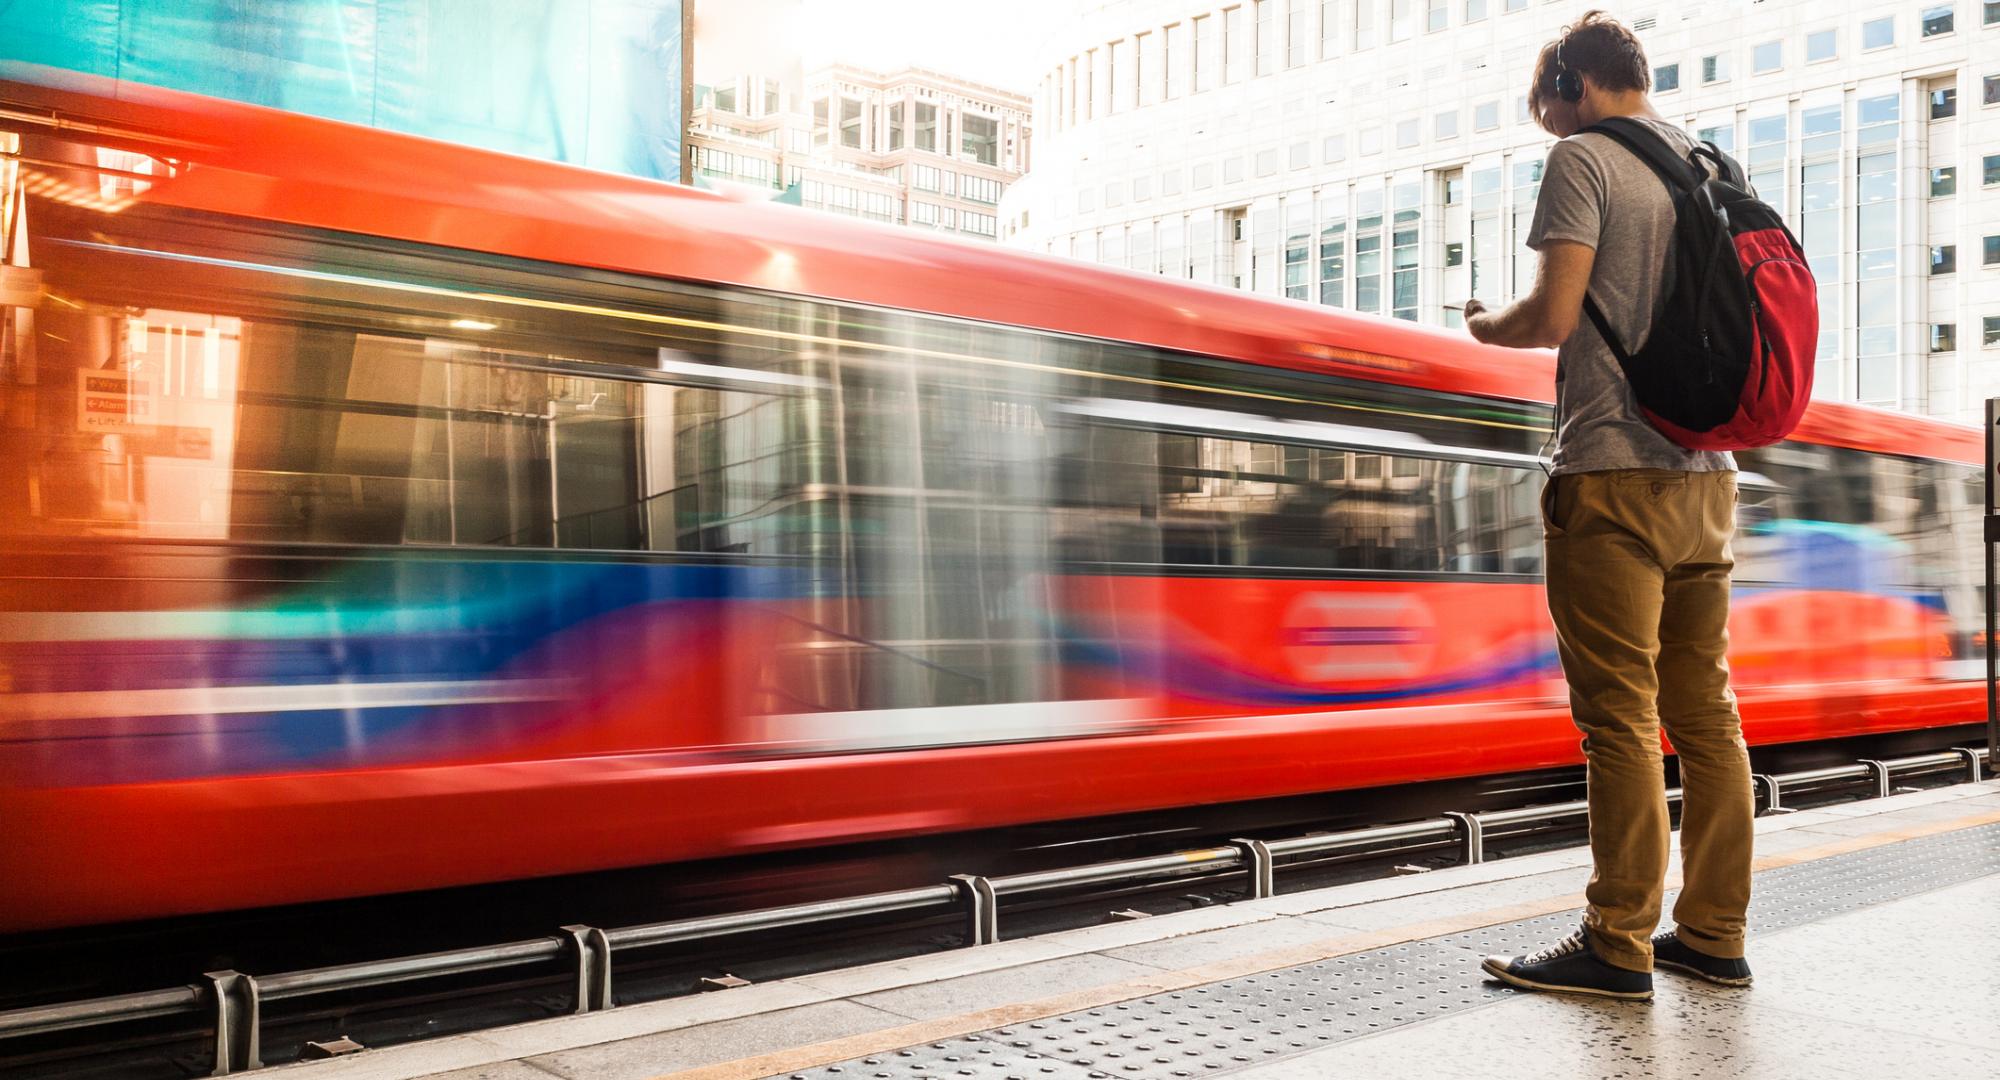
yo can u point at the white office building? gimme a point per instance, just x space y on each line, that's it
1377 155
911 147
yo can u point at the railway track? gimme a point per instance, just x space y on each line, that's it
74 1008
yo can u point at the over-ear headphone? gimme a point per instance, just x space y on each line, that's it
1568 84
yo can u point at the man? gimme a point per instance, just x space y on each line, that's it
1637 533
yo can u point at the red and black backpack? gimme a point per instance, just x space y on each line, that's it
1729 362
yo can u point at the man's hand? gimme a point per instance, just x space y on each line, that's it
1545 317
1473 324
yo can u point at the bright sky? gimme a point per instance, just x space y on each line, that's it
990 41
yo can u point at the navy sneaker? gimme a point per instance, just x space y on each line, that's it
1569 967
1669 951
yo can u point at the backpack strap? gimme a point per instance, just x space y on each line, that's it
1677 174
1604 331
1674 171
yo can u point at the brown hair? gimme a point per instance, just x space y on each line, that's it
1597 47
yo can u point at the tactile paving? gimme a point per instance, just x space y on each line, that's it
1233 1024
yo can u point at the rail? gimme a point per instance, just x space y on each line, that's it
232 1000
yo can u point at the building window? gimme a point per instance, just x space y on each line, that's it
1403 254
1993 12
725 99
1203 176
1475 10
981 190
1876 33
1199 56
1364 26
1329 28
1333 255
1371 141
1937 20
896 126
1114 194
1174 61
1298 281
1438 18
1714 69
1295 32
1666 77
1235 45
1990 165
1086 201
1944 259
1989 331
1267 162
850 123
1170 183
1821 45
1989 90
1486 116
1944 337
1301 155
1454 255
1990 245
1407 134
1454 188
979 138
1516 5
1265 47
1445 125
1944 103
771 99
1334 148
926 127
1146 69
1232 169
1768 57
1402 19
1142 188
1117 91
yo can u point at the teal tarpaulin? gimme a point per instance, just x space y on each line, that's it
593 82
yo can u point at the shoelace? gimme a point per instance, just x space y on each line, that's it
1565 947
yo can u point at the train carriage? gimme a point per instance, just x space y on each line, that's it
382 515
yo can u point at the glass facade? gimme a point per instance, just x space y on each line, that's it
594 82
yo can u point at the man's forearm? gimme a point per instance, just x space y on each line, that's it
1516 326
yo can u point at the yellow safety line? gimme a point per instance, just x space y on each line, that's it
889 1040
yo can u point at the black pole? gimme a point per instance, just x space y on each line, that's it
1992 536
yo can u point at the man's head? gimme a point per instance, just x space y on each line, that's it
1596 68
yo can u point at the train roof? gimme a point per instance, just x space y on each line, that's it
313 172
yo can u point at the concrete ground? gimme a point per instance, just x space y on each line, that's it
1879 955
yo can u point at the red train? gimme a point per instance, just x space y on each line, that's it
382 515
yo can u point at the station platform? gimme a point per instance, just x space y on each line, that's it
1873 943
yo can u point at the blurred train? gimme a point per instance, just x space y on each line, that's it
382 515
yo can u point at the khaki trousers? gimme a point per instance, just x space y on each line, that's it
1638 576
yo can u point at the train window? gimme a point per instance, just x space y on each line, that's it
302 426
1222 502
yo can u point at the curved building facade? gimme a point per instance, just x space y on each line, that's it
1377 155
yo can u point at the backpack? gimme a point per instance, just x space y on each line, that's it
1729 362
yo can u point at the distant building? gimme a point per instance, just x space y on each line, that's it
1377 155
912 148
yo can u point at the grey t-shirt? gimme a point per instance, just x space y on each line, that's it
1596 192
